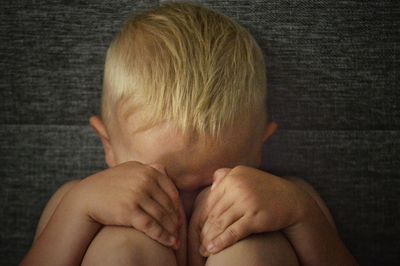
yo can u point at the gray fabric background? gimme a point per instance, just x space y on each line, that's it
333 89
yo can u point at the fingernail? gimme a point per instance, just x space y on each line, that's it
177 244
213 186
171 240
211 248
203 251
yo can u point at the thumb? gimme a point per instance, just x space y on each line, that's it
219 175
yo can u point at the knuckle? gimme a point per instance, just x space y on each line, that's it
232 235
148 224
218 224
239 168
161 215
158 232
211 217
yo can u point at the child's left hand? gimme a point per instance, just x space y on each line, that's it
244 200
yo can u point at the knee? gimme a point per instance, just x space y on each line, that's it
115 245
260 249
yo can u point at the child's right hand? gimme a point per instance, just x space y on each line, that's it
136 195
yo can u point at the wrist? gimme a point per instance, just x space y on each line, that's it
76 202
304 208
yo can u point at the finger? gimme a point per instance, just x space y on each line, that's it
220 224
193 241
169 187
215 214
219 175
155 210
159 195
229 236
214 196
143 222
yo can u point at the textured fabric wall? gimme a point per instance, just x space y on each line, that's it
333 89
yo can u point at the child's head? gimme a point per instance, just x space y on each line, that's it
185 87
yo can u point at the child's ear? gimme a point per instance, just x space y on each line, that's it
269 130
98 127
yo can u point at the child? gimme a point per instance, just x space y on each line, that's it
183 108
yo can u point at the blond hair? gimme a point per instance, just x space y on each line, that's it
185 63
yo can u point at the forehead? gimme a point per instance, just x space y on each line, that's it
165 144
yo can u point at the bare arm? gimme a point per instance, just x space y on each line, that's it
316 240
52 205
269 203
63 233
76 212
314 194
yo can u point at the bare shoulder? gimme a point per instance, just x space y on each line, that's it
314 194
52 204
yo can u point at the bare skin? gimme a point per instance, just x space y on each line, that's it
168 175
121 245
